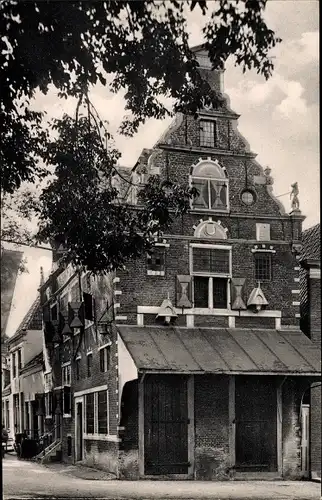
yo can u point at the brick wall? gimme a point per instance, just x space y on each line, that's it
139 289
315 430
211 427
315 309
101 455
315 409
292 391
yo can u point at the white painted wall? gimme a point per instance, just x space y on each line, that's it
126 368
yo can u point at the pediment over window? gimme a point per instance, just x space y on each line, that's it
210 229
209 169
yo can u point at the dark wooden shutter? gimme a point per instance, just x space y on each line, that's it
201 200
183 289
76 314
88 306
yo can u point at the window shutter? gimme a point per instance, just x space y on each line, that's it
88 306
184 291
236 293
201 200
67 400
76 314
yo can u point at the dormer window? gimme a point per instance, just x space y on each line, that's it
208 133
212 184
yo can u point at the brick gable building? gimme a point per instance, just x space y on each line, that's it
190 362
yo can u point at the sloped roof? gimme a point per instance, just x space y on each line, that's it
36 360
10 262
311 239
221 351
31 321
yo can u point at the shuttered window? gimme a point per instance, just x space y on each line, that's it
212 194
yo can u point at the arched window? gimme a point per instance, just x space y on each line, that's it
212 184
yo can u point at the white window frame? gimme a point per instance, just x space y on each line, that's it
89 353
96 434
212 275
106 348
64 370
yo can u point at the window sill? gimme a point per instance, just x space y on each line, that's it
155 273
67 415
102 437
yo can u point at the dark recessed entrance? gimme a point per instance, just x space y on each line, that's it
165 425
256 424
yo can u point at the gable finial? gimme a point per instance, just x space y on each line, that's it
42 277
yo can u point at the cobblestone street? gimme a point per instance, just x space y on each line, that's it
26 480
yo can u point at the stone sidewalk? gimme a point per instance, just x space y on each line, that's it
29 480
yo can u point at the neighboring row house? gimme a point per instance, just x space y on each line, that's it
311 325
24 354
191 362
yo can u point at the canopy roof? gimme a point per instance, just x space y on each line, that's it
220 350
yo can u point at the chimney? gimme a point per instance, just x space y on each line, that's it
215 77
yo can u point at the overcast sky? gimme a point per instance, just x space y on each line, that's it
279 118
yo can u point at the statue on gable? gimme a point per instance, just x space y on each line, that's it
269 178
295 203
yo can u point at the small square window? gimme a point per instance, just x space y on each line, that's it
156 262
263 266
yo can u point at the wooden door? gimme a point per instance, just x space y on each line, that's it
256 424
79 431
165 425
